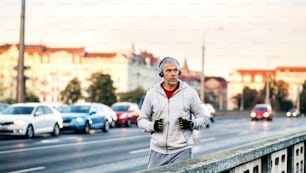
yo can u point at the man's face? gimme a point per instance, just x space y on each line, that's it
171 73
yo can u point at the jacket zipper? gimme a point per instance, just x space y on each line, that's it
167 126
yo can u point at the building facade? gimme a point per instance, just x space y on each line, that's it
257 78
51 69
215 88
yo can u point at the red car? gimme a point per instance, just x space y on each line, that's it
262 111
127 113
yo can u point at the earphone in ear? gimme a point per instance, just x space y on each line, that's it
161 73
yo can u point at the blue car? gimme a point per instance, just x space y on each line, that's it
82 117
3 106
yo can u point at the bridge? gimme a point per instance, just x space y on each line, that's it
278 154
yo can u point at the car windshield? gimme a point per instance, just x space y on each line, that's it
260 108
120 108
20 110
141 102
2 108
62 109
78 109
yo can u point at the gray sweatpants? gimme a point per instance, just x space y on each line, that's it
157 159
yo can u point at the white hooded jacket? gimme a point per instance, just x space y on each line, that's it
184 102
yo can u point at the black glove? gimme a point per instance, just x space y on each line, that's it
185 124
158 125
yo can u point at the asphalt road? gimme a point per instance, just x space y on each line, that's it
126 149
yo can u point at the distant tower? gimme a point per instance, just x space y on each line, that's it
184 68
133 48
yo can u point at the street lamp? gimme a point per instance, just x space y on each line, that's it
298 101
242 99
20 68
267 100
268 78
202 86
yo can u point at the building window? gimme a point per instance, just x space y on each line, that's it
76 60
237 78
45 59
246 78
258 79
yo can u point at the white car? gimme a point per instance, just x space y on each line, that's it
211 110
30 119
209 114
110 113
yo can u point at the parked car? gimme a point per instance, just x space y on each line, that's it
81 117
127 113
211 110
262 111
141 101
210 116
110 113
60 107
3 106
30 119
293 113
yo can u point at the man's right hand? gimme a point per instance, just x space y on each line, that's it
158 125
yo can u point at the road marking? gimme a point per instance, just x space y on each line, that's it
68 145
50 141
243 133
208 139
139 151
28 170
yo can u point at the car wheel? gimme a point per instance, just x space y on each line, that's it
86 128
113 124
128 123
56 130
30 132
106 127
212 119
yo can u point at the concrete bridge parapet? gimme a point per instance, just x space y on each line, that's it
279 154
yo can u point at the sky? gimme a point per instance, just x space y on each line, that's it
236 34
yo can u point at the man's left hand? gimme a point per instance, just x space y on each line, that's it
185 124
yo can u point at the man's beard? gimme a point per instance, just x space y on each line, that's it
173 82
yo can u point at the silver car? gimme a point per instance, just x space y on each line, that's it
30 119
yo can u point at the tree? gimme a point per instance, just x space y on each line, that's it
303 99
250 98
132 96
279 91
31 97
72 92
9 100
101 89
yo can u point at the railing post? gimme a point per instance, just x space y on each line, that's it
266 164
304 166
290 159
